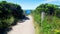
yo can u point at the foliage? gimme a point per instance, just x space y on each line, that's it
49 9
7 9
5 23
51 20
9 12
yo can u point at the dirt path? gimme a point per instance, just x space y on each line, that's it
26 27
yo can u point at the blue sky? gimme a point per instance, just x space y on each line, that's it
32 4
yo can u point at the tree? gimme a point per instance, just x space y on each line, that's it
50 9
9 12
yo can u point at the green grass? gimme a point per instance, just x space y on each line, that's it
36 28
50 25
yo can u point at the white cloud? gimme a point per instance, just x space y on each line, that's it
47 1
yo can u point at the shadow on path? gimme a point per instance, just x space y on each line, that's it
23 19
6 30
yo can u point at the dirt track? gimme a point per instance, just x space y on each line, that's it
26 27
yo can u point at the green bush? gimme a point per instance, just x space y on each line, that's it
7 9
5 23
9 12
51 20
49 9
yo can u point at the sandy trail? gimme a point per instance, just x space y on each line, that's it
26 27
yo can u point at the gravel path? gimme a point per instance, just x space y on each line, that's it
26 27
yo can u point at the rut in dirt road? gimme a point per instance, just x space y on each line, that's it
26 27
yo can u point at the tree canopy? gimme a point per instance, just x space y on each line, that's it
7 9
51 20
9 12
50 9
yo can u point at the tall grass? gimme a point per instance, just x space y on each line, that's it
50 25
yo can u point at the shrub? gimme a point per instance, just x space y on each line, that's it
51 20
9 12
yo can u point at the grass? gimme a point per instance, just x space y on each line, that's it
36 28
50 25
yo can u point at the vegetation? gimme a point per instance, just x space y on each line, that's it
9 13
51 22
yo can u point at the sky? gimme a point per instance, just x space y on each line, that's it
32 4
